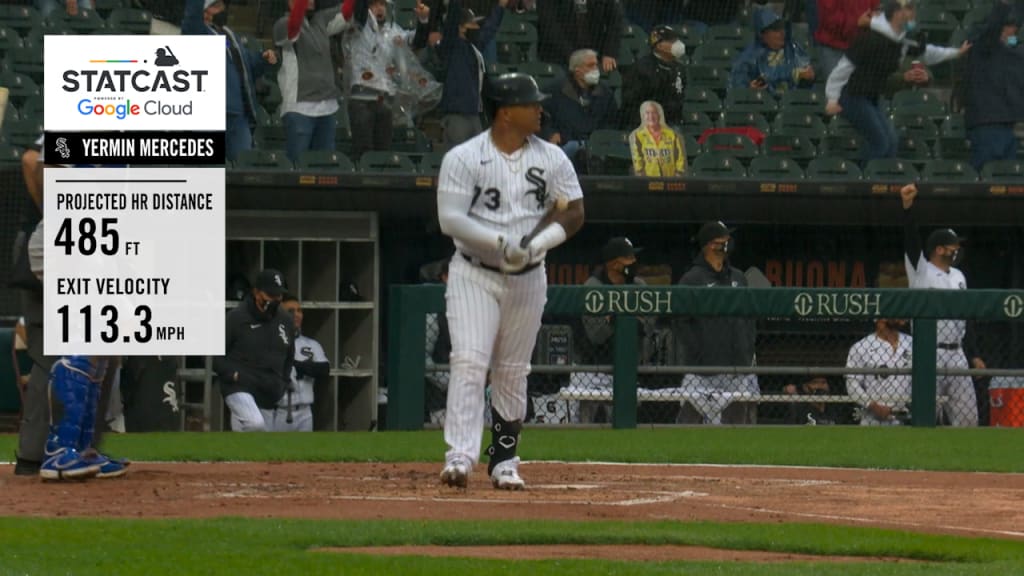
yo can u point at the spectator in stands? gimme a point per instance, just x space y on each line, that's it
883 398
370 59
244 66
717 341
838 23
294 411
439 10
593 346
995 86
309 96
564 26
658 76
72 7
811 413
461 50
581 105
858 81
771 61
657 150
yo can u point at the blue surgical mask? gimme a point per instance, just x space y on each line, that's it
1011 41
910 26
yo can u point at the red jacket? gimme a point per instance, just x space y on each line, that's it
837 21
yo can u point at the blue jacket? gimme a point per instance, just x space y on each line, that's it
237 85
569 118
757 60
462 80
994 75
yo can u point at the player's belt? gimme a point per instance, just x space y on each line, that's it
946 346
477 262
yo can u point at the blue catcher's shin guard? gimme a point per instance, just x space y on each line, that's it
92 398
70 382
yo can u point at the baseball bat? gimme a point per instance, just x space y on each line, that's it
560 205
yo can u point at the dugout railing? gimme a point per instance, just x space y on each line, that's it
410 305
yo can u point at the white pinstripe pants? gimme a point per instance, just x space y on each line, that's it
245 415
493 319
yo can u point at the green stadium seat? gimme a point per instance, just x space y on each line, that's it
9 39
801 36
775 168
105 7
545 73
717 166
914 150
707 77
916 126
260 159
613 79
1003 172
831 169
949 171
953 149
840 126
800 123
23 133
523 35
324 160
716 54
732 119
31 109
271 137
130 21
695 123
21 19
406 20
85 22
633 38
890 170
383 161
799 148
430 163
609 153
918 102
955 7
847 147
734 145
691 36
626 58
729 34
343 139
690 147
271 100
22 88
11 114
27 60
750 100
251 42
807 101
10 155
405 5
509 53
936 24
409 140
702 100
975 16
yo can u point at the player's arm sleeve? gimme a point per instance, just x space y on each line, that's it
316 367
455 196
855 382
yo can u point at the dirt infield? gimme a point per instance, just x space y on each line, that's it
971 504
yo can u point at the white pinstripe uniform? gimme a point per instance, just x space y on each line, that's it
962 407
893 390
494 317
302 392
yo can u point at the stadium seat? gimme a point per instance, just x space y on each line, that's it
918 102
523 35
734 145
31 109
751 100
323 160
775 168
694 123
936 25
9 39
957 8
634 39
949 171
702 100
11 114
976 16
22 88
1003 172
105 7
828 168
260 159
383 161
10 155
801 36
915 150
613 79
545 73
807 101
953 149
343 139
271 100
272 137
890 170
130 21
799 148
840 126
731 118
609 153
691 36
690 147
916 126
85 22
409 140
717 166
21 19
27 60
431 163
509 54
847 147
23 133
800 123
707 77
716 54
733 35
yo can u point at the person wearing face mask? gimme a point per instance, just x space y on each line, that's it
811 413
464 38
855 86
255 371
579 106
244 67
657 150
882 398
717 341
936 267
658 76
772 61
593 345
994 82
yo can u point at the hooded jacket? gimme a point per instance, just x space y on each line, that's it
716 341
779 68
575 114
994 75
654 79
260 350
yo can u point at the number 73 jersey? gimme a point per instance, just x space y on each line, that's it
510 193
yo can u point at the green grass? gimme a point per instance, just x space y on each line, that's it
245 546
979 449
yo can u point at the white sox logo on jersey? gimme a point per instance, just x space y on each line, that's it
540 190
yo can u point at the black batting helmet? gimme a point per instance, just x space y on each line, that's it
515 89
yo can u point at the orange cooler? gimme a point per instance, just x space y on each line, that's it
1006 398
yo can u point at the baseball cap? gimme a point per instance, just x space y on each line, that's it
943 237
470 17
711 230
208 3
619 247
662 34
271 281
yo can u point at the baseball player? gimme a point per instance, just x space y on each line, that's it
294 412
505 197
936 268
881 397
260 349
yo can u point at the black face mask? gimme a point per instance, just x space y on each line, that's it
957 257
820 392
272 306
629 273
896 326
473 35
220 19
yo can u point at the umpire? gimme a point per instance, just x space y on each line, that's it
260 351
